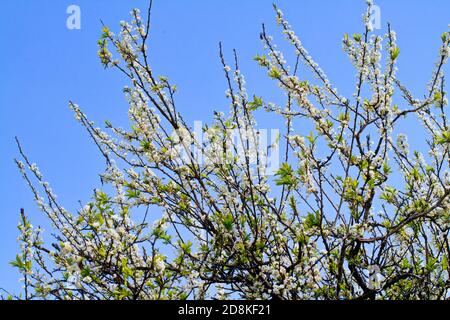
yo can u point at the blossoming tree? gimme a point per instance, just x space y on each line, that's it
351 213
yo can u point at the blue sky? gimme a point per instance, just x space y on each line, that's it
44 65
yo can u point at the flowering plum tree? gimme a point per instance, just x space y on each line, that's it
351 212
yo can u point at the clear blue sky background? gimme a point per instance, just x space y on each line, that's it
43 65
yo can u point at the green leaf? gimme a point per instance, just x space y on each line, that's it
228 221
429 169
86 272
99 218
415 173
311 138
274 73
357 37
394 53
145 145
389 194
28 265
262 60
186 247
127 272
437 97
105 32
121 293
444 262
101 197
312 219
386 169
444 138
285 176
256 103
132 193
431 264
18 263
345 38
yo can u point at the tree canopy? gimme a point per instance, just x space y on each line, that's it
351 212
